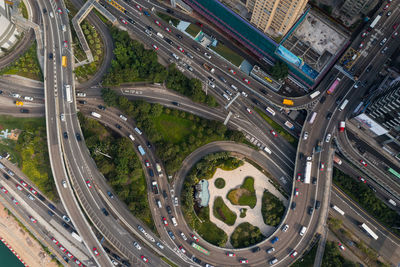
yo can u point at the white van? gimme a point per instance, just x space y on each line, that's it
159 203
138 131
266 149
234 87
123 117
174 221
64 28
303 230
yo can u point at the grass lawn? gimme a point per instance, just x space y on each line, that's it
24 11
246 235
26 66
245 195
168 18
228 54
174 129
293 141
219 183
308 259
272 209
222 212
193 30
209 231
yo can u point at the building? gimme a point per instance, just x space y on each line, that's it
8 30
275 17
352 8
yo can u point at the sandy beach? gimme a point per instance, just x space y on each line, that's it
25 246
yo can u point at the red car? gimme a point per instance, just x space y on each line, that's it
33 191
78 262
88 184
147 163
182 249
296 192
167 29
230 254
363 163
4 189
386 7
299 177
59 10
157 22
246 81
139 7
95 251
62 248
15 201
23 183
341 246
273 133
395 26
144 259
362 180
181 49
155 47
364 34
54 240
294 254
124 21
65 44
361 45
69 255
322 166
32 219
165 221
195 238
249 111
232 71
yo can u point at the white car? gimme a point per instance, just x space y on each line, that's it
207 55
211 84
285 228
244 94
183 236
305 136
328 138
136 244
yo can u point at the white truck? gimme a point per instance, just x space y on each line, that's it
307 173
159 170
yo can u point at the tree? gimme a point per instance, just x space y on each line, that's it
279 70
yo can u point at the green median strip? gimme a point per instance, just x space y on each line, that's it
169 262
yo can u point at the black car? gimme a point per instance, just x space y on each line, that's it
176 104
165 194
149 144
118 258
39 196
65 135
51 206
197 49
50 55
339 99
1 92
293 207
169 210
314 180
179 36
6 176
170 11
310 210
322 99
24 110
255 101
66 226
168 41
256 249
151 173
118 126
44 11
131 21
83 102
104 211
263 91
317 204
101 107
368 69
78 137
50 213
66 259
196 260
149 28
126 263
110 194
329 115
106 249
211 78
171 235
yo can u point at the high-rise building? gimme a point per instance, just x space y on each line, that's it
385 108
275 17
353 8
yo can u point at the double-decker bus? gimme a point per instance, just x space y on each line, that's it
333 86
200 248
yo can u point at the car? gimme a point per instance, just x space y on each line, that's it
317 204
363 163
78 262
59 11
296 192
78 136
30 197
314 180
395 26
310 210
328 138
95 251
389 13
69 255
66 218
368 69
33 190
65 135
196 260
139 7
244 94
249 111
182 249
274 240
395 34
124 21
157 22
167 29
285 228
110 194
136 245
322 166
62 248
32 219
270 250
299 177
386 6
55 241
88 184
364 34
361 179
15 201
24 110
244 261
207 55
4 189
293 206
361 45
293 254
179 36
141 229
165 221
384 50
171 235
183 236
19 187
83 102
372 188
144 259
341 246
131 21
169 210
147 163
329 115
246 81
50 55
273 133
232 71
195 238
211 84
211 78
230 254
181 49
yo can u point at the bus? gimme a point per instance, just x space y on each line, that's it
333 86
141 150
313 116
343 105
200 248
307 172
375 21
68 93
315 94
338 210
270 110
368 231
394 172
64 61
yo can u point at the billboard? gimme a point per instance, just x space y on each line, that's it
370 124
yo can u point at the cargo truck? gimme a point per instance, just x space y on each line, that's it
159 170
209 68
154 187
342 125
337 160
288 102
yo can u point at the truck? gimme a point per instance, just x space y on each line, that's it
391 201
154 187
95 114
141 150
289 125
209 68
76 236
307 172
288 102
375 21
337 160
342 125
159 170
343 105
64 61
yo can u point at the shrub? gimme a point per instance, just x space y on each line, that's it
219 183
